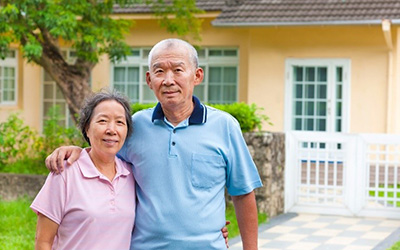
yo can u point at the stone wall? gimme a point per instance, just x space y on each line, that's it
267 150
13 186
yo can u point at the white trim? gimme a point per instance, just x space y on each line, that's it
10 62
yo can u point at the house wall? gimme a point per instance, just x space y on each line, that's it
263 51
364 46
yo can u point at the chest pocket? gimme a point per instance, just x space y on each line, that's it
207 170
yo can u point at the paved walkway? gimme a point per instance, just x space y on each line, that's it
323 232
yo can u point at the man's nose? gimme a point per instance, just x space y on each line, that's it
168 78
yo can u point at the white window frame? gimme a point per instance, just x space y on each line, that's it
70 59
10 62
331 64
218 61
135 61
205 61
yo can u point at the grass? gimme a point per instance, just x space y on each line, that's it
396 246
389 194
18 224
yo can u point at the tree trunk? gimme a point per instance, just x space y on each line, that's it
73 80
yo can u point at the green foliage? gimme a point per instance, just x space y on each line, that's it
88 26
248 116
25 151
15 140
396 246
17 224
141 106
184 21
55 135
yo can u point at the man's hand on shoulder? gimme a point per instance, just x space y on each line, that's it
55 161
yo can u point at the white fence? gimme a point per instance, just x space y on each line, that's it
343 174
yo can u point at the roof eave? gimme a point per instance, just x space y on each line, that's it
266 24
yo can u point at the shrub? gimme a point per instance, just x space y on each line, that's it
55 135
16 140
24 150
248 116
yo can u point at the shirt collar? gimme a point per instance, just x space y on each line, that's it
198 116
88 169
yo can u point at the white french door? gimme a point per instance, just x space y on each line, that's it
317 95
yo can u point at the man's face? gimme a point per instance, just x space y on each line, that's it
172 77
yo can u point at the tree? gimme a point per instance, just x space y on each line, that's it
88 26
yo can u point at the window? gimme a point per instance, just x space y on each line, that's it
8 79
129 77
52 95
220 83
316 91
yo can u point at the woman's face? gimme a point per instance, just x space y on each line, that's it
107 129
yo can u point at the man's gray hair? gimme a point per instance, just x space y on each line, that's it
174 42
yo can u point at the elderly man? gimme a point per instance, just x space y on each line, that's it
183 155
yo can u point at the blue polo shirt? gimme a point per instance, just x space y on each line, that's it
181 173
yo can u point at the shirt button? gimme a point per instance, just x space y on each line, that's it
112 193
173 143
112 203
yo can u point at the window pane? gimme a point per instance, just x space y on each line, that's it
338 125
230 74
309 124
321 91
321 124
148 95
322 75
339 91
229 94
215 52
133 92
298 91
133 74
310 74
215 75
339 74
298 108
298 123
119 74
48 91
199 92
310 91
59 94
309 108
339 109
230 52
214 93
201 53
298 73
321 108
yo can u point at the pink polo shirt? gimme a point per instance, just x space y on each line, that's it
92 212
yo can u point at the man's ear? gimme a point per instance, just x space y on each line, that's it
198 76
148 79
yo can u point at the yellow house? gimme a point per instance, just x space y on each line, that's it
323 66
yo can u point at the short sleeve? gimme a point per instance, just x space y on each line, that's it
242 173
50 201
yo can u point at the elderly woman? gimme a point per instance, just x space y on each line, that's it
91 205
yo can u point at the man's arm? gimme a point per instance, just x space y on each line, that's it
247 217
55 161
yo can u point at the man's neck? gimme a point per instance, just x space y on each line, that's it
176 116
